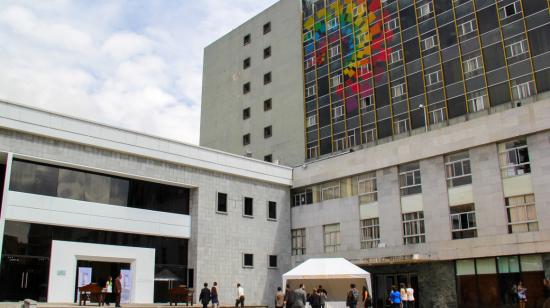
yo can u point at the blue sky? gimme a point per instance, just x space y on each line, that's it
134 64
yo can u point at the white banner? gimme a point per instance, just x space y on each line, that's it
126 282
84 278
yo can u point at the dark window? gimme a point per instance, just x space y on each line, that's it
382 97
246 39
543 80
384 128
246 63
322 84
267 52
248 260
246 139
272 261
488 19
54 181
457 106
222 203
499 94
267 28
246 113
412 50
416 84
533 6
267 78
442 6
268 158
408 17
494 57
267 131
272 210
267 104
510 10
248 206
452 71
246 87
447 35
539 40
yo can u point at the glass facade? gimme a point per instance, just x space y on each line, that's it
27 247
54 181
375 69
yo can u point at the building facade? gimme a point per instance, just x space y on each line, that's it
84 199
252 80
376 71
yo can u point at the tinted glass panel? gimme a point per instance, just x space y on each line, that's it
494 57
499 94
488 19
539 40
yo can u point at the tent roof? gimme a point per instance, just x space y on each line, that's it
326 268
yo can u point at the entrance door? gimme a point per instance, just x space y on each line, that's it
383 284
101 271
23 278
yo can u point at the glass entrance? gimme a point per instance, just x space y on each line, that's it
383 283
101 271
24 277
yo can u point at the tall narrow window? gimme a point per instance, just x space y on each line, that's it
248 207
522 215
267 78
267 104
246 63
246 39
370 233
248 260
246 88
413 228
268 131
298 241
246 113
514 158
272 259
457 167
310 91
246 139
463 221
221 203
272 210
366 188
267 52
409 179
267 28
331 237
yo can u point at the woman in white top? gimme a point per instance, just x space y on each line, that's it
410 296
403 293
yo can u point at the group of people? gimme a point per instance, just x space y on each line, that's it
107 290
208 295
299 297
402 297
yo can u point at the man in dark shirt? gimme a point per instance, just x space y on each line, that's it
118 290
204 297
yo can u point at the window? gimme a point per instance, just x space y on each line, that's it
477 102
309 63
413 228
523 90
311 120
330 191
517 48
429 43
267 78
370 135
308 35
401 126
363 69
457 169
358 10
248 209
246 63
437 116
272 261
336 80
361 39
351 138
268 131
298 242
331 237
334 51
370 233
272 210
514 158
267 52
463 221
509 10
268 158
267 28
246 39
267 104
246 139
466 27
433 78
312 151
366 188
424 10
302 197
339 144
248 260
522 215
310 91
398 90
221 203
246 88
366 101
472 65
337 112
246 113
409 179
392 24
333 23
395 56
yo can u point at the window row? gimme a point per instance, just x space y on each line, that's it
222 206
247 87
248 62
247 39
268 132
248 260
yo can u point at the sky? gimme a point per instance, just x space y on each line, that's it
133 64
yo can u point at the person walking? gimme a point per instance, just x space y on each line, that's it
240 296
289 297
522 295
109 287
403 294
214 295
279 298
395 297
322 295
315 299
367 300
118 289
410 296
352 297
300 297
204 297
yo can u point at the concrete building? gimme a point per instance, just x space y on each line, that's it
252 80
82 201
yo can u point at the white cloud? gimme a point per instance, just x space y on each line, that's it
132 64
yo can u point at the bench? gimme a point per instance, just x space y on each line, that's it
181 295
90 292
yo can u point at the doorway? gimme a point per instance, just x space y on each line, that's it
24 277
100 272
384 282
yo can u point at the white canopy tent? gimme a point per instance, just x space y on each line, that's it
334 274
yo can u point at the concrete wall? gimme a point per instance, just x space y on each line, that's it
222 124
